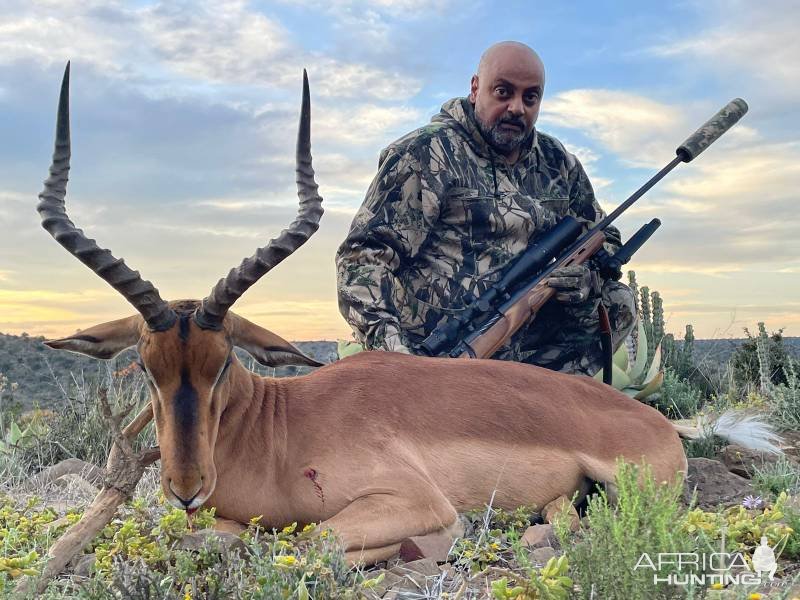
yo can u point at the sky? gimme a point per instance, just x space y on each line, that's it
184 119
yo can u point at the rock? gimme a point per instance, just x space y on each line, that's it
714 484
389 580
743 461
91 473
84 565
560 505
541 555
435 546
423 566
75 483
539 536
197 539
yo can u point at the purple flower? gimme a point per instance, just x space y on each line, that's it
753 502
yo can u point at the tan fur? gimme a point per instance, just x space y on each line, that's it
382 446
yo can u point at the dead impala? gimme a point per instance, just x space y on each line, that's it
379 446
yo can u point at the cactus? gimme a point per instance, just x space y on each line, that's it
647 319
658 318
632 340
762 352
687 352
634 288
669 350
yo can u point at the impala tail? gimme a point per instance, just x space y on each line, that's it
735 427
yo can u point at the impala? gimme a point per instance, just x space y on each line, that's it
378 446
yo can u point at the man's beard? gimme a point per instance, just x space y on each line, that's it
503 140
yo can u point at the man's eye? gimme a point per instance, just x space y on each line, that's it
501 91
532 98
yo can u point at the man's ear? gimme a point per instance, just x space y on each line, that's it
102 341
267 348
473 88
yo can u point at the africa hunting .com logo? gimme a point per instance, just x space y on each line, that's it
720 568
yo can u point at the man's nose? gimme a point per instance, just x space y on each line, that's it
515 106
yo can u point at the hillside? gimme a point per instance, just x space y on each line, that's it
44 375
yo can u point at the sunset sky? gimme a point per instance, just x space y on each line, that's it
184 117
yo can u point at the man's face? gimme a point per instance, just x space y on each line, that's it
507 94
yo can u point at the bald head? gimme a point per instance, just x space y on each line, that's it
506 92
505 54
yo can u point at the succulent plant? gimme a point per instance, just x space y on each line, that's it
636 368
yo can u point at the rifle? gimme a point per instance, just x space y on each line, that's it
489 320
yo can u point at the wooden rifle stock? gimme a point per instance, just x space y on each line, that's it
524 305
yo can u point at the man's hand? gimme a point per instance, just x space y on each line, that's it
394 341
573 284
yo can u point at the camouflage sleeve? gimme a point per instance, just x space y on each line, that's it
387 233
584 205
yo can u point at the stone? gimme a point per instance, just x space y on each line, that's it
197 539
539 536
540 556
75 483
743 461
435 546
424 566
559 506
389 580
415 578
84 565
714 484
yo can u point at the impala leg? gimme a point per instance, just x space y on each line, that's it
372 527
372 555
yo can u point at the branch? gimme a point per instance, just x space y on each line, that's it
124 469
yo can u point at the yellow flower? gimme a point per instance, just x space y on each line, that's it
716 586
187 596
285 561
754 596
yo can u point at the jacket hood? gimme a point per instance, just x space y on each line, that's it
459 113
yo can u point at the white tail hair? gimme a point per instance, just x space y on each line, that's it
737 427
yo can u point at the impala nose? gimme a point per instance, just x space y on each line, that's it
180 498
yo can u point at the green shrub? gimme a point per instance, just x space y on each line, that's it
679 399
784 399
604 554
78 429
748 366
772 479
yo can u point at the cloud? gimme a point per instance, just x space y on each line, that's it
634 127
205 42
759 39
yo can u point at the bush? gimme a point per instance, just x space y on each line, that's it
747 365
784 399
78 429
679 399
772 479
604 554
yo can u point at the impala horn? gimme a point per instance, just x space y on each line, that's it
140 293
214 307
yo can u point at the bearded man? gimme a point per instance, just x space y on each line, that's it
455 202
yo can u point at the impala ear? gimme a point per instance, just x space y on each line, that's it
102 341
267 348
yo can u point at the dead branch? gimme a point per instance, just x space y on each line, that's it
124 469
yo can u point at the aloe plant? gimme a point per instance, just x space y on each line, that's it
346 348
636 368
642 377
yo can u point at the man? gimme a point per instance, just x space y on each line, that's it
455 202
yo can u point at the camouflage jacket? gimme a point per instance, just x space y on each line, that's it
441 220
